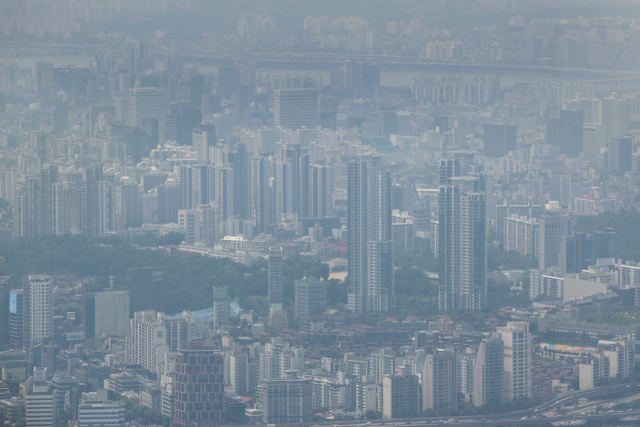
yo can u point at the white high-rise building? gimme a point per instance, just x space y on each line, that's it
295 108
38 291
517 360
112 313
189 220
371 280
146 343
147 103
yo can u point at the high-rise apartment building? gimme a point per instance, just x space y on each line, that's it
179 332
261 197
517 360
320 191
38 308
198 397
239 372
400 394
439 390
146 342
276 279
371 281
462 237
488 372
295 108
112 313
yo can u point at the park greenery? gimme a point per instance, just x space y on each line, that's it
188 278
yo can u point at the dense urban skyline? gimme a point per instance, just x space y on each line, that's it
216 212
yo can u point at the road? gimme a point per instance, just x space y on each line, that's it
532 415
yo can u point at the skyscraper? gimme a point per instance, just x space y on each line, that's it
517 360
146 103
462 238
261 165
276 278
320 191
295 108
488 372
38 310
371 281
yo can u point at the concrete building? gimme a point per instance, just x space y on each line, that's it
146 343
239 372
439 389
276 279
310 297
146 103
517 360
40 401
520 235
400 394
287 400
488 372
221 306
189 220
371 280
112 313
146 289
96 410
552 228
199 398
295 108
179 331
462 235
38 308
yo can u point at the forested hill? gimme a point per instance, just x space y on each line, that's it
188 279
